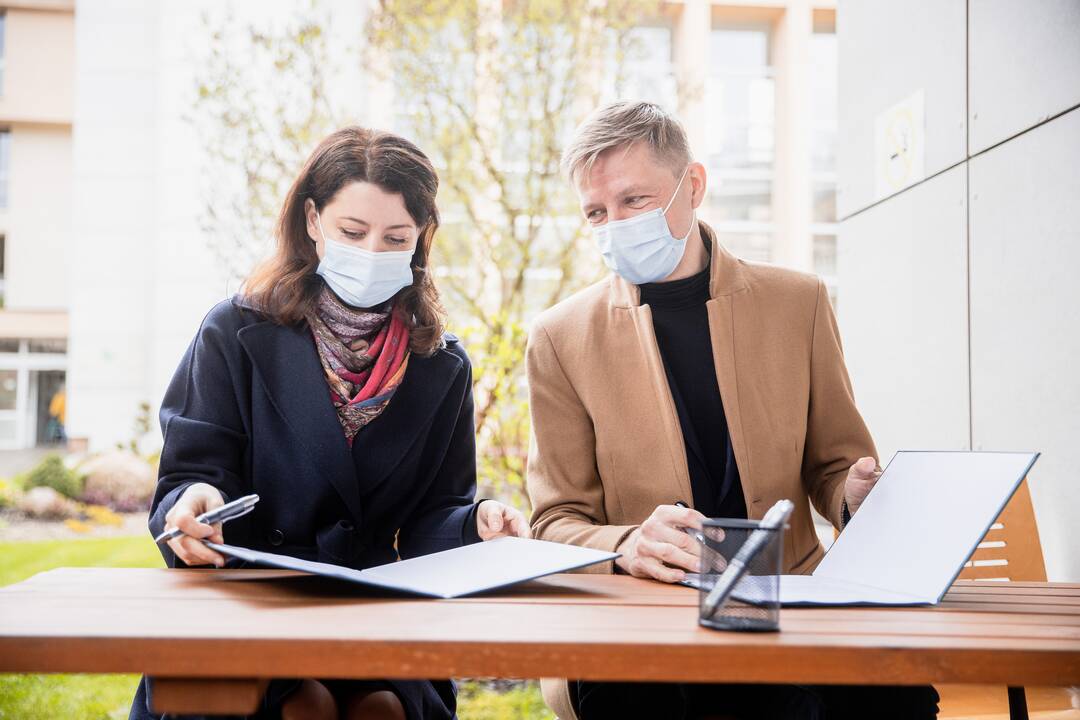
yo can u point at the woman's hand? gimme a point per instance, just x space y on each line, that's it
196 500
493 520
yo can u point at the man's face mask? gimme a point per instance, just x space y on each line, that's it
641 248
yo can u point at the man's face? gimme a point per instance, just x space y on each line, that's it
627 181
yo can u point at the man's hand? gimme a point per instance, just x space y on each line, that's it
660 548
861 479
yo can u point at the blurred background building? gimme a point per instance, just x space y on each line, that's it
939 138
37 60
104 168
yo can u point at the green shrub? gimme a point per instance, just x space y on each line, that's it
52 473
9 493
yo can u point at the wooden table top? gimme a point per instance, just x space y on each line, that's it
271 623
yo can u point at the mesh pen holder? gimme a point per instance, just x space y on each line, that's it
754 602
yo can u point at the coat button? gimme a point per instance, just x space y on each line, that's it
276 537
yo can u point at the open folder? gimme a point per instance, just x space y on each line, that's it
912 535
452 573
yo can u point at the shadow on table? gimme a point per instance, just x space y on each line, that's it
288 585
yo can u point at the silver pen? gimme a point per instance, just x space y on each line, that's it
228 511
774 520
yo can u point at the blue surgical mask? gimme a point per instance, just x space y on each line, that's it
641 249
360 277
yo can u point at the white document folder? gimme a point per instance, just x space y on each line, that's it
912 535
465 570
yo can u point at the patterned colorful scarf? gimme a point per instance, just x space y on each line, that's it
364 356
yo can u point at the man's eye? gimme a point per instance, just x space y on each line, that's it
593 214
636 199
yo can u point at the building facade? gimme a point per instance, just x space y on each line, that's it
37 68
756 85
105 270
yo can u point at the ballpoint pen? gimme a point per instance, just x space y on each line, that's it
228 511
774 520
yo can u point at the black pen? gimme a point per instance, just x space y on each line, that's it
228 511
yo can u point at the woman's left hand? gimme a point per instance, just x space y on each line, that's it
493 520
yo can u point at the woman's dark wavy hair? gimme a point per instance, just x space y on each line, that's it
285 286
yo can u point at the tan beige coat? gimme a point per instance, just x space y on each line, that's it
607 446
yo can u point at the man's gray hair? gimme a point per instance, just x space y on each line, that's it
622 124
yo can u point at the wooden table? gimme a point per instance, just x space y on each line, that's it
211 638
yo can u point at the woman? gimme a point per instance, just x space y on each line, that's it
329 387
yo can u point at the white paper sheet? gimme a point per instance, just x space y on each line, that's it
923 519
910 538
452 573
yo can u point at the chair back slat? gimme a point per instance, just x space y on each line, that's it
1010 550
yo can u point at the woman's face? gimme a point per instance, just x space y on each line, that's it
363 215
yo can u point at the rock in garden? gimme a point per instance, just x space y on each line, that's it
44 503
121 480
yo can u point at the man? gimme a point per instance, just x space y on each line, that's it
688 384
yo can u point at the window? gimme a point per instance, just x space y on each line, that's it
739 101
56 346
8 386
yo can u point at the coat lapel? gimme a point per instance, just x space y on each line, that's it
727 312
669 418
725 307
722 335
286 361
390 437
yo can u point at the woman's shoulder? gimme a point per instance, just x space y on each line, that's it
453 346
229 316
449 358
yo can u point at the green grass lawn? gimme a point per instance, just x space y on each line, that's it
94 697
20 560
80 697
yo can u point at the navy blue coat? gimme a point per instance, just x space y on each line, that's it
248 411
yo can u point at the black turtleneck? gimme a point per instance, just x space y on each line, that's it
681 323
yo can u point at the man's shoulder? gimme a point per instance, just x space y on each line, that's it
762 274
576 313
780 285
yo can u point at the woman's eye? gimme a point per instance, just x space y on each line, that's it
396 240
353 234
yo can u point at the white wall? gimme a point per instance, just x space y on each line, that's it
1025 319
1024 65
141 277
887 51
38 221
903 300
142 274
958 295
